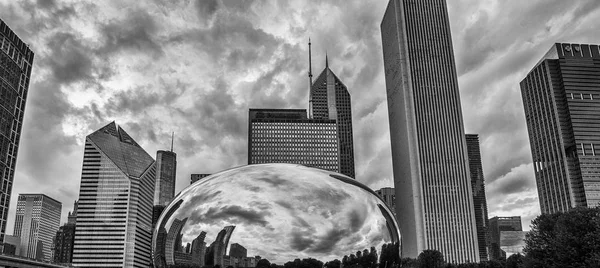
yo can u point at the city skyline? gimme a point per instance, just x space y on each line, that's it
81 58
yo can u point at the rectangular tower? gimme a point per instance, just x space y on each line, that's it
114 213
431 174
197 177
288 136
478 188
389 197
16 60
166 168
36 222
561 97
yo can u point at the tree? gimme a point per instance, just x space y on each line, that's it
263 263
431 258
569 239
333 264
514 261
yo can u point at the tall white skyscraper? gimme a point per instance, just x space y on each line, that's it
114 213
36 222
434 204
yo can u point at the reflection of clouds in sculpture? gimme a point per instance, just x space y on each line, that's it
283 212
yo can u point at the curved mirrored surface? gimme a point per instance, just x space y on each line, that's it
277 212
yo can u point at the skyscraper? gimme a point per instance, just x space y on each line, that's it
16 60
561 96
166 168
197 177
114 215
288 136
478 189
389 197
431 173
36 222
329 99
63 244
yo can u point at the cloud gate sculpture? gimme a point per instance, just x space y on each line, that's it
276 212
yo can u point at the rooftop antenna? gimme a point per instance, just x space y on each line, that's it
172 136
310 113
326 61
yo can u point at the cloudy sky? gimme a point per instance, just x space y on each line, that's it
195 67
282 213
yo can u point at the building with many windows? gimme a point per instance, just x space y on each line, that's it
63 244
478 186
197 177
288 136
166 169
114 213
561 97
388 195
429 156
36 222
329 99
16 60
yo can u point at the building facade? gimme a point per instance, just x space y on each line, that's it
36 222
166 168
330 99
114 214
561 96
16 60
63 244
288 136
388 195
431 172
478 189
498 225
197 177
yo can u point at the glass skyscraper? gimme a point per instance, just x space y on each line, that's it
478 188
434 201
561 97
166 168
288 136
36 222
330 99
16 60
114 213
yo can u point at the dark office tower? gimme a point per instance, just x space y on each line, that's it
561 96
330 99
197 177
16 60
36 221
166 165
72 217
389 197
497 226
114 214
288 136
478 189
431 173
63 244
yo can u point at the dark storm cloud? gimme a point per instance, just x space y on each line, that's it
206 8
136 33
301 241
328 242
70 61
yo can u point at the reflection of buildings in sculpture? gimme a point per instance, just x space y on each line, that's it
238 251
198 249
158 243
499 225
390 224
173 241
218 248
